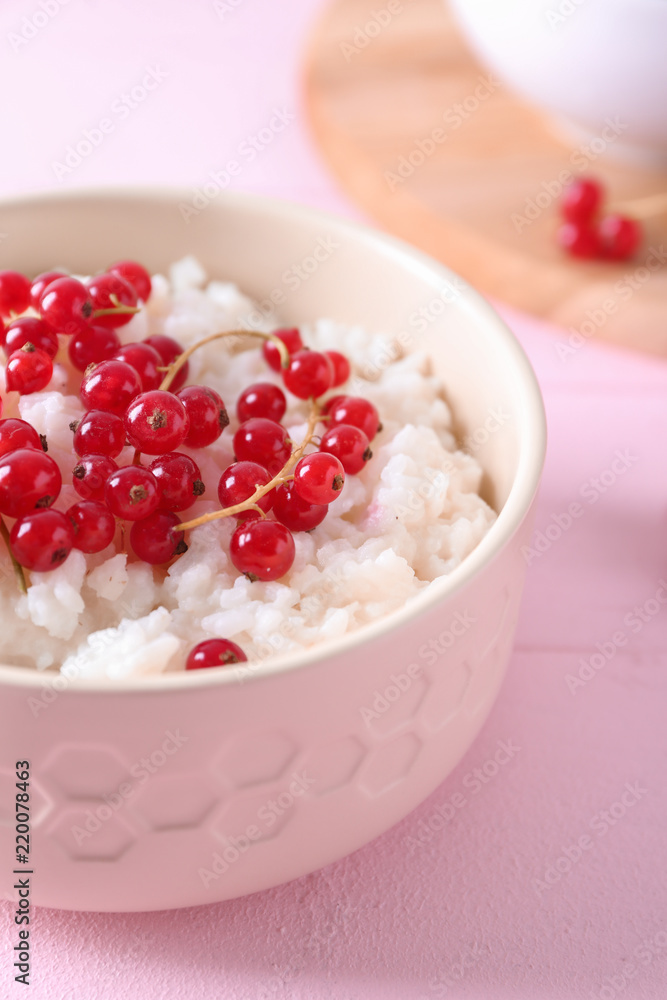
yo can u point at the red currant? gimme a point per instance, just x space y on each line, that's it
349 445
619 237
111 385
179 480
156 422
206 413
109 291
579 239
28 370
94 525
135 275
263 441
309 374
291 338
132 493
327 407
296 513
319 478
29 480
30 330
91 346
40 284
99 433
155 539
214 653
358 412
341 367
238 482
89 476
14 293
42 540
145 360
66 305
16 433
261 399
262 550
581 200
169 350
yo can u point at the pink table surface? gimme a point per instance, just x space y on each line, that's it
499 901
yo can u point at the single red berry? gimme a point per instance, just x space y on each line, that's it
42 540
110 291
89 476
206 413
66 306
350 446
30 330
262 549
309 374
579 240
296 513
179 480
341 368
169 350
40 283
358 412
94 525
291 338
132 493
263 441
261 399
28 370
155 540
29 480
156 422
319 478
581 200
14 292
145 360
91 346
99 433
214 653
135 275
238 482
619 237
111 385
16 433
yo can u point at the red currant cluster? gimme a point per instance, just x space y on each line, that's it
135 395
583 234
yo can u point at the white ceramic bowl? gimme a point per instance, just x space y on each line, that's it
141 789
588 62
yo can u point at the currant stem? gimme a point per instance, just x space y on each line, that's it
18 569
176 365
282 477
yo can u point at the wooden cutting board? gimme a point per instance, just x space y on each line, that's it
440 153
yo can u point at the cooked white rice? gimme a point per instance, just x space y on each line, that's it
410 516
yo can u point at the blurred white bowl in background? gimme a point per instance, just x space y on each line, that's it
600 66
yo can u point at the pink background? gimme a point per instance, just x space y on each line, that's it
459 915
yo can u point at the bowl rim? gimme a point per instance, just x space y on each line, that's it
532 429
